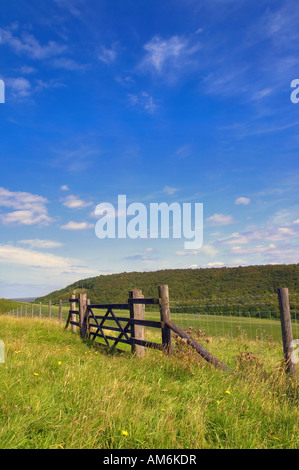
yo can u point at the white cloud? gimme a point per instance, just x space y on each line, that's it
68 64
14 255
188 253
144 101
183 151
107 55
71 5
204 250
273 234
29 45
174 52
169 190
73 202
253 249
77 226
215 264
42 244
220 219
242 201
55 265
29 209
27 70
64 187
21 87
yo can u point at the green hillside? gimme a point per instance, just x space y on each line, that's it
186 284
8 305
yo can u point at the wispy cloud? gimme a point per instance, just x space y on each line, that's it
73 6
184 151
272 234
206 249
20 87
27 44
29 209
170 190
107 55
214 264
68 64
143 101
77 226
74 160
148 255
46 262
41 244
244 201
73 202
220 219
169 57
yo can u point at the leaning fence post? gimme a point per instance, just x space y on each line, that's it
165 315
286 328
137 312
82 313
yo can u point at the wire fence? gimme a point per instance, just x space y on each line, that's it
39 310
256 316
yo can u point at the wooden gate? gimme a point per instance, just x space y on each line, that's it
127 327
131 329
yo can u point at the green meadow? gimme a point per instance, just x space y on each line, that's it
58 391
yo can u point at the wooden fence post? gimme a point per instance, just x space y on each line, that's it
137 312
82 313
25 310
286 328
40 310
165 316
32 306
50 309
60 310
73 315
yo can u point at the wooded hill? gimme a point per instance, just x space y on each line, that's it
186 284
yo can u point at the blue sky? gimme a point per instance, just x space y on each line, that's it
174 101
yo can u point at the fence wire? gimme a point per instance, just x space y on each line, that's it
256 316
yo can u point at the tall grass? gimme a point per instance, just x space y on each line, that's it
59 392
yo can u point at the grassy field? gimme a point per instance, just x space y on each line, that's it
7 305
59 392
